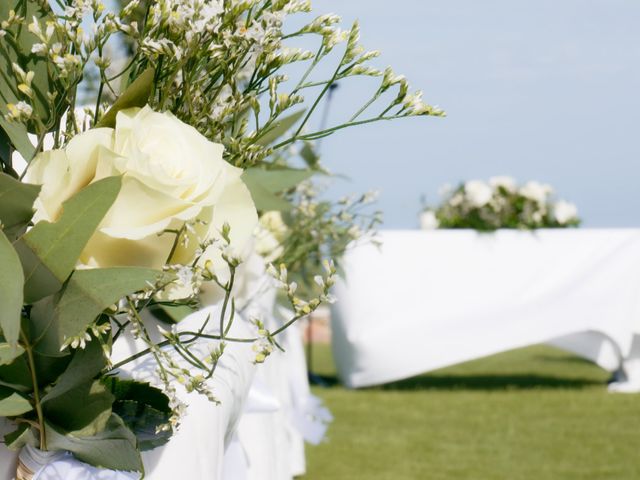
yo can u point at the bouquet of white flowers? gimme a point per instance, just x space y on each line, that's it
500 203
137 157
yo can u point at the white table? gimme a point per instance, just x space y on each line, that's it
429 299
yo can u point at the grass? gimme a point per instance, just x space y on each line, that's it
531 414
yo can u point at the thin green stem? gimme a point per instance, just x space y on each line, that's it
36 389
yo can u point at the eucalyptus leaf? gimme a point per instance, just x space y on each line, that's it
114 448
20 437
17 375
11 282
136 95
85 365
85 296
5 148
12 403
265 185
16 202
8 353
18 135
310 157
265 200
49 251
83 411
279 128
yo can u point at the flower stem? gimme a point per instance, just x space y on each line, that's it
36 390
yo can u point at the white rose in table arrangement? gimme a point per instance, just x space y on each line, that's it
564 212
478 193
536 191
171 176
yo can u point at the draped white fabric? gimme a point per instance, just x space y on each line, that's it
280 414
429 299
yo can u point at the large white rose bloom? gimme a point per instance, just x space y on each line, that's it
478 193
171 174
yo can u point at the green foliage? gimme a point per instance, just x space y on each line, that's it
16 204
86 295
49 251
8 353
266 185
279 128
22 436
11 280
77 402
16 375
136 95
17 135
113 448
144 409
12 403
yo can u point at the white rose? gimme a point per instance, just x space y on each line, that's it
478 193
564 212
504 181
171 174
536 191
428 220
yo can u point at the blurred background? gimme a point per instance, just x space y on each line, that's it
543 90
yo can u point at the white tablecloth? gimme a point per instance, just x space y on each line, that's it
429 299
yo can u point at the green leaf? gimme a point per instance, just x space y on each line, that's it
12 403
8 353
279 128
86 295
83 410
143 408
16 202
22 436
11 282
136 95
16 375
310 156
114 448
85 365
18 135
5 148
264 185
49 251
19 51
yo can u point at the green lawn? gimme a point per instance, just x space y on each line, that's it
531 414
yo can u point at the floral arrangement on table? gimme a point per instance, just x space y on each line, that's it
156 142
500 203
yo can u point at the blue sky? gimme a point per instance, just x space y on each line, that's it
545 90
